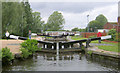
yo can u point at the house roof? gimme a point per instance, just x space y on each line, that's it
113 23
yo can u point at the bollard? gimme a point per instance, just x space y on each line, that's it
87 43
80 45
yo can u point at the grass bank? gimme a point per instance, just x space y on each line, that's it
113 47
77 38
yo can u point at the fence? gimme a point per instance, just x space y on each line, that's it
88 34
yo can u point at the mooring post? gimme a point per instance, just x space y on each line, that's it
87 43
43 45
54 45
71 45
80 45
60 45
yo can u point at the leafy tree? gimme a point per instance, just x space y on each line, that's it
98 23
37 22
29 18
82 30
101 19
93 25
75 29
0 20
13 18
55 21
18 19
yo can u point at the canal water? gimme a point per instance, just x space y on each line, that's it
61 62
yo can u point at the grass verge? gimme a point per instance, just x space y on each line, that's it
113 48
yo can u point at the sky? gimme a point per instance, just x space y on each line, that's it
75 13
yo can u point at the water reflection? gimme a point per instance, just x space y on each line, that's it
62 62
62 56
105 61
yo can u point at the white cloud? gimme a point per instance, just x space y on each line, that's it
73 0
80 19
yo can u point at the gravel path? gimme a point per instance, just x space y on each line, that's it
14 45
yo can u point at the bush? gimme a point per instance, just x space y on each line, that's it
117 37
7 55
25 53
112 32
30 45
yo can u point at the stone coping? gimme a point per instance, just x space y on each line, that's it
95 50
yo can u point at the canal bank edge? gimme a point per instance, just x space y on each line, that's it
95 50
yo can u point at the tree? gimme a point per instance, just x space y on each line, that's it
98 23
101 19
75 29
12 17
82 30
55 21
93 25
29 18
37 22
18 19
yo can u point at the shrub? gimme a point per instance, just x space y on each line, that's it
25 53
117 37
28 48
112 32
30 45
7 55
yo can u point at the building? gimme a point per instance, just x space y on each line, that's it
113 25
103 30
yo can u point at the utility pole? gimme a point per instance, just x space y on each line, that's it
88 22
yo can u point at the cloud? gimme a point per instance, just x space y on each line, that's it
80 20
73 0
74 7
75 13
